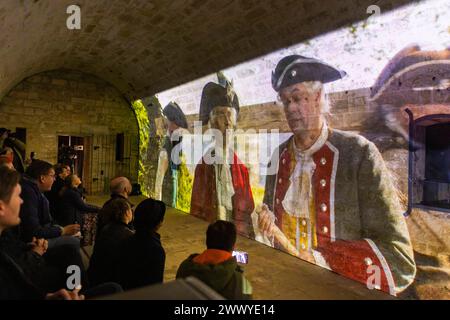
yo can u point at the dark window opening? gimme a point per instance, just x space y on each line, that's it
21 134
436 189
431 164
120 146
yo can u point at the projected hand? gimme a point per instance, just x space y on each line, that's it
266 223
266 220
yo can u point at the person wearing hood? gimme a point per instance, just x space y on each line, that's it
216 266
107 244
141 259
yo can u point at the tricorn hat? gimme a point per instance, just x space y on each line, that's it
295 69
214 95
174 113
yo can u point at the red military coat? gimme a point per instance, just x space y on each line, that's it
359 223
204 195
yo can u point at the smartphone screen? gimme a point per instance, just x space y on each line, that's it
241 256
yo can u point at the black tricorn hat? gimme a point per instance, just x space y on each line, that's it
215 95
295 69
174 113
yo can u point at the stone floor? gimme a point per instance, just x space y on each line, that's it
274 274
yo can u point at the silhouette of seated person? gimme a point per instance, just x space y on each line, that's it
107 245
120 187
142 257
216 266
62 171
73 206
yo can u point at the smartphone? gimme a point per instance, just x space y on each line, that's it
241 256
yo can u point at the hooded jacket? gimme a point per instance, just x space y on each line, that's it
219 271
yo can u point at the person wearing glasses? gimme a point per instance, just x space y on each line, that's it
36 220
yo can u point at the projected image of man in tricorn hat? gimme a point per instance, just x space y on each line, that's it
331 201
221 189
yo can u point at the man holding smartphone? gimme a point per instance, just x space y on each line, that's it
216 266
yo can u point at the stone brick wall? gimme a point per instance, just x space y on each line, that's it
66 102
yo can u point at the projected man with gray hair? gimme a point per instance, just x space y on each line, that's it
331 201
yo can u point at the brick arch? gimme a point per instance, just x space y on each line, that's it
144 47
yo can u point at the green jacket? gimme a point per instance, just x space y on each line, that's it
226 278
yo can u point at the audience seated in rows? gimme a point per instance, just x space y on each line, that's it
36 220
14 284
35 256
216 266
107 244
22 267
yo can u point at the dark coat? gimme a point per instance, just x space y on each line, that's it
20 251
36 267
14 284
142 261
73 207
36 220
54 198
226 278
107 252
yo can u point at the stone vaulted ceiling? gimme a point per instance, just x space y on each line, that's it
143 47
